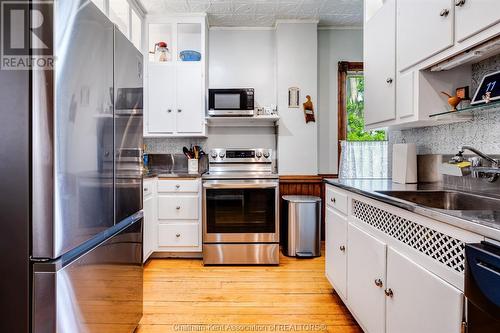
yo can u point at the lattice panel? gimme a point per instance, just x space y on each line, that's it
443 248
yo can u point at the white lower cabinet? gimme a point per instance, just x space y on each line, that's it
420 301
172 216
388 286
150 220
178 235
365 285
336 259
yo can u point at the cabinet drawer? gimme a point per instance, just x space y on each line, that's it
173 235
178 207
336 200
178 185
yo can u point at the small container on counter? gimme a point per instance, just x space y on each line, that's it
193 165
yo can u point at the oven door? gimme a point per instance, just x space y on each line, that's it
240 211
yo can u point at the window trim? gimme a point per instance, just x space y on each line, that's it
344 67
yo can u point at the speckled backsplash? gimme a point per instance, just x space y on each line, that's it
171 145
482 132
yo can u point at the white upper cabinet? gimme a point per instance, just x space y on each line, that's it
176 77
424 28
380 61
473 16
161 99
190 99
419 301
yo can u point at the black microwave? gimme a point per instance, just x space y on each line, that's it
231 102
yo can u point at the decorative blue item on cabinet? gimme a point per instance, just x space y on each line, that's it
190 55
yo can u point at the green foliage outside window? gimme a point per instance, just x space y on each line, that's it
355 114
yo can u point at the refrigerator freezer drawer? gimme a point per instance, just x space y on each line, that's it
100 291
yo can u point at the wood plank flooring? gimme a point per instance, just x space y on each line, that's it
179 293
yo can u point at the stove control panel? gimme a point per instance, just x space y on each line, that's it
254 155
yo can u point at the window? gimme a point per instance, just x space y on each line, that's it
362 154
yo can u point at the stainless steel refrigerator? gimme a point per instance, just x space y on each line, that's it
70 151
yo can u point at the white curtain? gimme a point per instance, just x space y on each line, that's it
364 159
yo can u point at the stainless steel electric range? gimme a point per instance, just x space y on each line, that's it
240 208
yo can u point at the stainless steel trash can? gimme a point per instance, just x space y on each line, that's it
301 224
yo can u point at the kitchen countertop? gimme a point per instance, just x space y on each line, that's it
484 222
174 174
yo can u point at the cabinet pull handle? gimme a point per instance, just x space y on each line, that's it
342 248
388 292
379 283
444 12
389 80
459 3
178 207
177 235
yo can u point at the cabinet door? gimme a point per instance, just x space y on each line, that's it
150 241
424 28
366 263
473 16
380 61
190 109
405 102
421 301
336 246
161 98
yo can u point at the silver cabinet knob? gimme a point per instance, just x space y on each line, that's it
444 12
333 200
378 283
179 110
389 80
459 3
177 186
388 292
342 248
169 110
178 207
145 190
177 235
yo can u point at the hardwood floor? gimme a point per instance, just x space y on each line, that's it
184 292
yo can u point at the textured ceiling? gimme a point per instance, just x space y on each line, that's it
264 13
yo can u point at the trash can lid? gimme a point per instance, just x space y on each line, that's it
301 198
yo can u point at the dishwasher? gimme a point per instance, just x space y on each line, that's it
482 287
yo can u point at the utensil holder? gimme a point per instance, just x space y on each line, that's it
193 165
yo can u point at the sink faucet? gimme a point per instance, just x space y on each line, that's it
477 170
462 149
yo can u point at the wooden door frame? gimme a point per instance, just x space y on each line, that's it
344 67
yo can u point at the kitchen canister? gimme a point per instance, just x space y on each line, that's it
193 165
404 163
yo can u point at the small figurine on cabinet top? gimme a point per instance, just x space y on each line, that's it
309 109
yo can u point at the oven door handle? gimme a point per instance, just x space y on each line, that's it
240 185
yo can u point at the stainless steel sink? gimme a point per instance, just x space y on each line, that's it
449 200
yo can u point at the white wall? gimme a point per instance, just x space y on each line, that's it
333 46
243 58
296 60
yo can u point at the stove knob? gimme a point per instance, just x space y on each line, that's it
222 154
266 154
258 154
213 154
